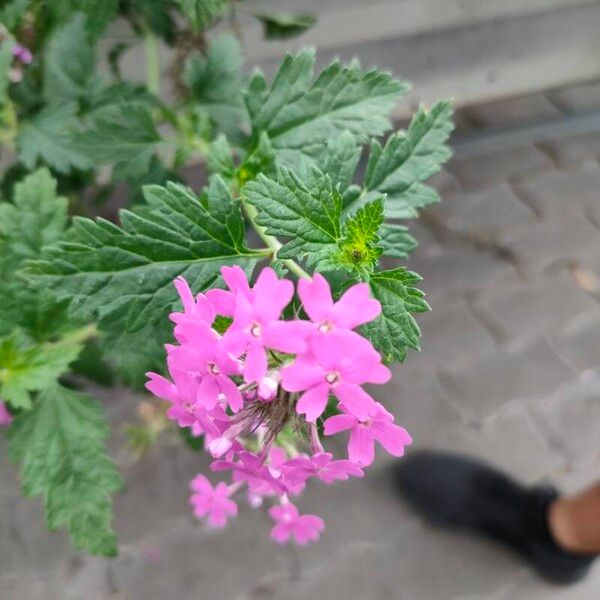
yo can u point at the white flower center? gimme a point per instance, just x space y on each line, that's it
212 368
332 377
256 330
325 327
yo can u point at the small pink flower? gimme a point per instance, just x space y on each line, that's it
224 300
256 325
211 367
337 363
22 54
289 523
212 502
198 313
354 308
320 465
363 433
5 416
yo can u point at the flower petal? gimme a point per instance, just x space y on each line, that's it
361 447
355 400
392 437
256 363
356 306
287 336
313 402
316 297
339 423
302 374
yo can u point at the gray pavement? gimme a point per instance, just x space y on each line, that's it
510 372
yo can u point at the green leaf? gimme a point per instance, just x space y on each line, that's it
409 158
220 158
100 13
60 446
124 275
156 15
301 115
395 330
26 368
122 134
305 212
48 136
37 217
69 62
341 159
215 82
6 60
201 13
282 26
359 248
396 241
12 13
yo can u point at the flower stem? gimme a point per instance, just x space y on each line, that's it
152 62
272 242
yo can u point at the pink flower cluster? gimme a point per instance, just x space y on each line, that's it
5 416
260 390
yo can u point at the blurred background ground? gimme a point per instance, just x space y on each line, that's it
509 372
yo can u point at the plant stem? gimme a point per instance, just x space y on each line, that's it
152 62
272 242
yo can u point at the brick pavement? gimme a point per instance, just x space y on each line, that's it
510 371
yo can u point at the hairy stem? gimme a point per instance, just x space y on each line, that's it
272 242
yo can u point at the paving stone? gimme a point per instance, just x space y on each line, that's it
571 152
179 559
524 310
489 169
576 98
561 193
530 458
453 271
570 419
578 344
487 211
418 402
418 566
512 111
558 242
451 333
507 375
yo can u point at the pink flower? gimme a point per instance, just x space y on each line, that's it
206 361
22 54
5 416
184 409
337 363
224 300
251 469
320 465
354 308
256 324
363 433
197 313
212 501
290 523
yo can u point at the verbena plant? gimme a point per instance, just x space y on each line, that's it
261 370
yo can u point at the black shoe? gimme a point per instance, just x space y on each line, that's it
455 491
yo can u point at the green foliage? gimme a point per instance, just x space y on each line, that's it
123 275
396 241
302 115
281 26
359 248
201 13
26 368
407 159
215 82
60 447
307 212
48 137
395 330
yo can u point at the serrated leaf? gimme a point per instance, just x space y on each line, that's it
341 159
281 26
37 217
69 62
395 330
220 158
48 136
409 158
60 447
307 213
121 134
201 13
359 248
396 241
301 114
26 368
215 82
124 275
